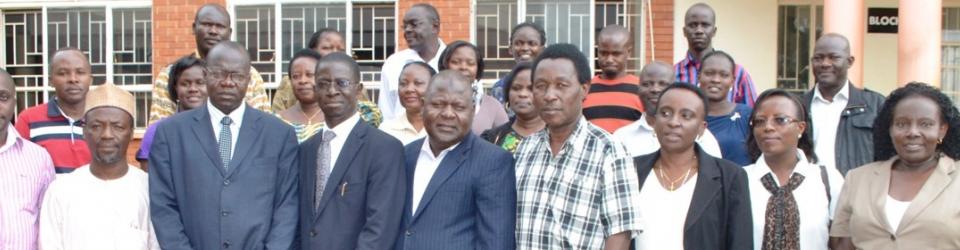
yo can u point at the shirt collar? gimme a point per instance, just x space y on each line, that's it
843 94
425 149
691 59
343 129
12 138
216 115
643 123
802 167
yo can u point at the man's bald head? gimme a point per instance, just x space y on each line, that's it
450 81
657 68
211 25
229 52
701 9
615 33
448 109
209 9
834 40
654 78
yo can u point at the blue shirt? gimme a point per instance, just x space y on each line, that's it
731 131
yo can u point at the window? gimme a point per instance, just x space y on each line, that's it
795 45
950 77
116 39
565 21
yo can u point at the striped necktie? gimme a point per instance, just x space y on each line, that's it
323 167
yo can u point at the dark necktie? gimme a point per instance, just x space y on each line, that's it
225 141
781 230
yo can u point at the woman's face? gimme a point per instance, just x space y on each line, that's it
521 95
716 78
303 79
777 126
413 83
679 120
191 90
916 129
464 59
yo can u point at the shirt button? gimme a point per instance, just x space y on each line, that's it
226 182
313 233
893 237
224 214
409 233
226 244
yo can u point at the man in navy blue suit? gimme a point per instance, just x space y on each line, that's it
351 174
462 189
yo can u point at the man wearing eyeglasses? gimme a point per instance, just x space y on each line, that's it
224 175
352 182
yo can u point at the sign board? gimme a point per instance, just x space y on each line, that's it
882 20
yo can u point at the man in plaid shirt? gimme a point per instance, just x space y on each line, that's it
576 186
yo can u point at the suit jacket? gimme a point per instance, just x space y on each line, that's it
469 203
363 198
854 143
719 215
196 203
932 221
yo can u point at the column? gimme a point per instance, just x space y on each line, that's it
848 18
918 42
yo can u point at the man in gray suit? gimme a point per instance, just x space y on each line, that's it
224 175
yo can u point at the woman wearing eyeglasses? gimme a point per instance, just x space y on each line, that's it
793 198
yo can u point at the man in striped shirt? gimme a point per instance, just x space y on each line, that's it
25 172
56 125
612 101
699 29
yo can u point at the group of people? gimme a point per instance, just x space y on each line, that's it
553 157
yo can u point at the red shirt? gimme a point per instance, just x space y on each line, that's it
612 104
62 137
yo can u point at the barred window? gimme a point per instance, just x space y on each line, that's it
950 64
798 27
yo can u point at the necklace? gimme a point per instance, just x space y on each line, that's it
309 119
673 183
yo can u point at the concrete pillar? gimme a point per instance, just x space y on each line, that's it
848 18
918 41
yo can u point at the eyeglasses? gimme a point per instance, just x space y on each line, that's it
218 76
780 121
323 84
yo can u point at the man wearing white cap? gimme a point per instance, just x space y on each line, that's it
103 205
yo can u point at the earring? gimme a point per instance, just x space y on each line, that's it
939 141
799 136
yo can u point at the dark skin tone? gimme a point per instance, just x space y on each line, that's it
525 45
558 96
337 90
108 131
227 73
830 62
420 32
613 49
699 29
303 78
191 93
413 87
448 112
8 103
464 60
679 122
330 42
716 78
521 102
211 26
70 77
654 78
778 142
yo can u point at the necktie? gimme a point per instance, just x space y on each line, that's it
225 140
323 167
781 229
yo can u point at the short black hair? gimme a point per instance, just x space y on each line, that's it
341 57
719 53
569 52
418 63
508 81
882 143
176 70
431 11
448 52
65 49
689 87
805 143
532 25
303 53
315 38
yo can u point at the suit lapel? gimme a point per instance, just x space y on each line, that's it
349 152
308 170
935 185
450 163
412 154
708 186
249 132
879 189
204 135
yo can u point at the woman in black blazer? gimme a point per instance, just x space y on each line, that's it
689 199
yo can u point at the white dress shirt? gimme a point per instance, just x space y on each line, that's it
342 131
401 129
81 211
665 218
389 101
640 139
825 116
811 197
236 115
427 164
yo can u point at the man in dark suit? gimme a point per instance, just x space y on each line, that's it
351 174
462 189
224 175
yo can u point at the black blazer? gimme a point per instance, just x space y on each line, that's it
854 144
363 199
719 215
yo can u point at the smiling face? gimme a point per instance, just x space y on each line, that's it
413 86
464 60
916 129
525 45
679 120
107 131
70 76
557 93
716 77
777 126
211 26
831 60
303 77
449 109
653 80
418 28
699 27
191 89
521 95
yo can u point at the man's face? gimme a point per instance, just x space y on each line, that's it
652 82
613 51
337 91
699 28
557 93
330 42
418 28
211 27
448 112
8 102
70 76
227 76
525 45
831 60
107 131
